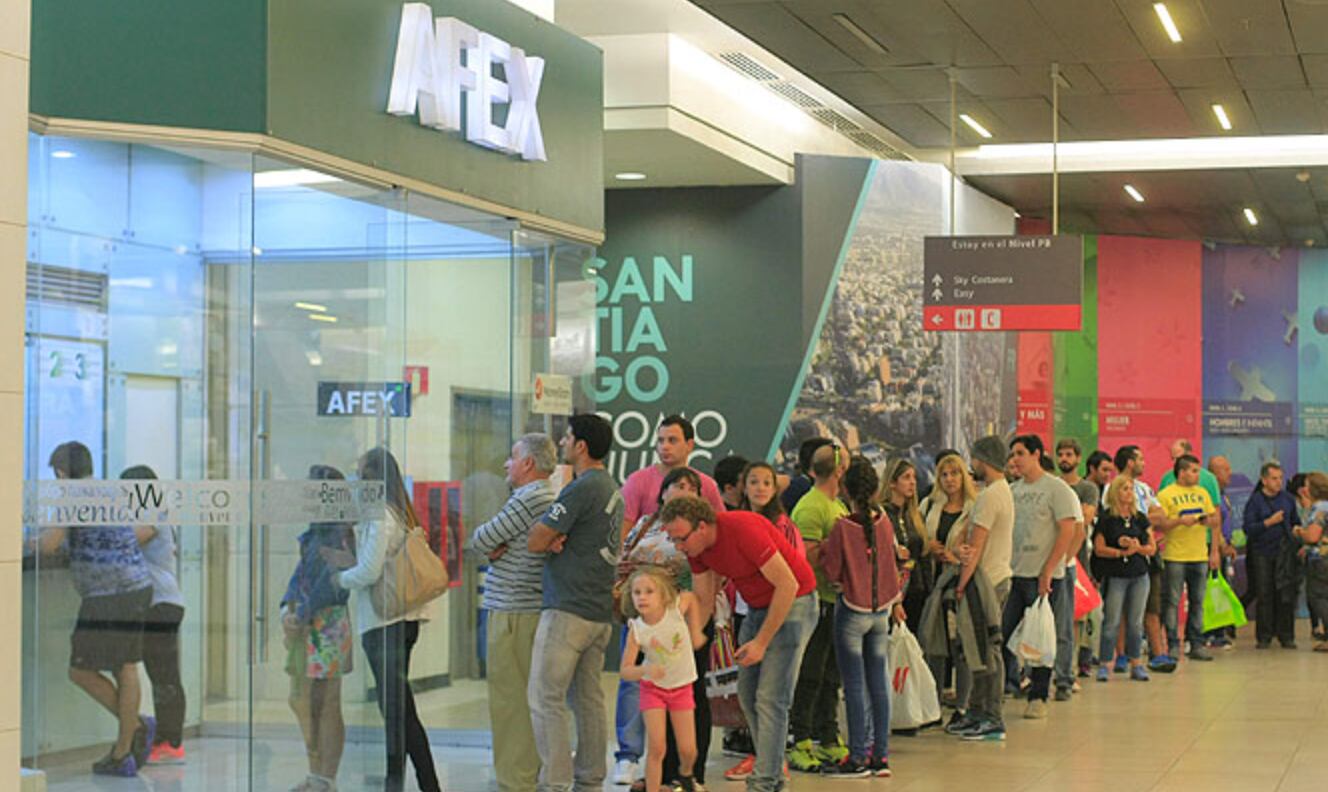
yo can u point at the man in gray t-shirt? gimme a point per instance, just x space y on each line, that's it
580 535
578 578
1045 513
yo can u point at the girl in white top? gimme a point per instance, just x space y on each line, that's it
666 627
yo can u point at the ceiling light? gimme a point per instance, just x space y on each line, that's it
1133 193
861 35
315 307
1221 113
293 177
62 154
323 318
1165 16
1250 217
629 176
974 125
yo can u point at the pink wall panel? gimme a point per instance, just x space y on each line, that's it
1150 359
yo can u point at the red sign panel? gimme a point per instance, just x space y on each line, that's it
989 318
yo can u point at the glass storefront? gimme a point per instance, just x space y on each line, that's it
232 321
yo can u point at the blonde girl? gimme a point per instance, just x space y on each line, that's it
665 627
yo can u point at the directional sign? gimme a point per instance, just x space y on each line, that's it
998 283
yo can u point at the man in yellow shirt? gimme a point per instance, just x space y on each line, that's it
1188 556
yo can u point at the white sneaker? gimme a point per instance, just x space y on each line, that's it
624 772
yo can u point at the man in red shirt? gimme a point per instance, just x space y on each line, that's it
779 588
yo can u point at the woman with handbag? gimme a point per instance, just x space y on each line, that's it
384 560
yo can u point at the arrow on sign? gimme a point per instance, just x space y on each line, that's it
937 294
936 280
936 319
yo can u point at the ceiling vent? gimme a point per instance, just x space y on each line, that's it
749 67
67 286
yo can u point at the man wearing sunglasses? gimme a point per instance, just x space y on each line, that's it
779 588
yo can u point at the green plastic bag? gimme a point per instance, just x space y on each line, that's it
1222 607
1238 538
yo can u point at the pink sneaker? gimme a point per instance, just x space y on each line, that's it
741 770
165 753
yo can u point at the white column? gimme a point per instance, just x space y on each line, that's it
13 258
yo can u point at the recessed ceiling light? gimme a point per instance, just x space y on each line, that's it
1221 113
315 307
974 125
1168 23
861 35
1133 193
1250 217
62 154
292 177
629 176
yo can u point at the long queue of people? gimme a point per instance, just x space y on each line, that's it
820 572
822 569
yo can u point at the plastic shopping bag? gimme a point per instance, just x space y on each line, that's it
913 700
722 674
1222 607
1086 595
1034 640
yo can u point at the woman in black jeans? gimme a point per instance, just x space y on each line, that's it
901 505
388 642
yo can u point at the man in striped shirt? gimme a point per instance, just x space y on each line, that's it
513 596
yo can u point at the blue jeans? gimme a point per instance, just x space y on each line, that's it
766 689
1128 596
1062 605
565 681
627 713
1023 593
1193 575
861 646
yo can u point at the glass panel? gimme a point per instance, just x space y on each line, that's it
242 327
129 377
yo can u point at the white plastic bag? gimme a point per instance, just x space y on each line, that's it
1034 640
913 700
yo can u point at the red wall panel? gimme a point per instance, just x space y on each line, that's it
1150 357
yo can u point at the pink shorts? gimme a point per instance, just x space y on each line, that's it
677 699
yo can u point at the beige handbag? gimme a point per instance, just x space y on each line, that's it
411 578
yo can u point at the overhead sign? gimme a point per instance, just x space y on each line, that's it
999 283
440 63
364 399
552 395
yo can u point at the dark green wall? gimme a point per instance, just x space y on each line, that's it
316 73
186 63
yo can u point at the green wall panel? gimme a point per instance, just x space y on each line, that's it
185 63
331 67
316 73
1076 365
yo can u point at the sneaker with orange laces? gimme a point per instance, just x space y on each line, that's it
165 753
741 770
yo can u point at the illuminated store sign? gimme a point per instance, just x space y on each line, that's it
441 62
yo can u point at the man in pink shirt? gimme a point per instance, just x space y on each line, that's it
674 442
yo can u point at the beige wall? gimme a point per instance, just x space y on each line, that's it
13 254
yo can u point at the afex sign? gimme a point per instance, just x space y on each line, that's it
441 62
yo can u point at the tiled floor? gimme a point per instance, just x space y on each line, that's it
1252 721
